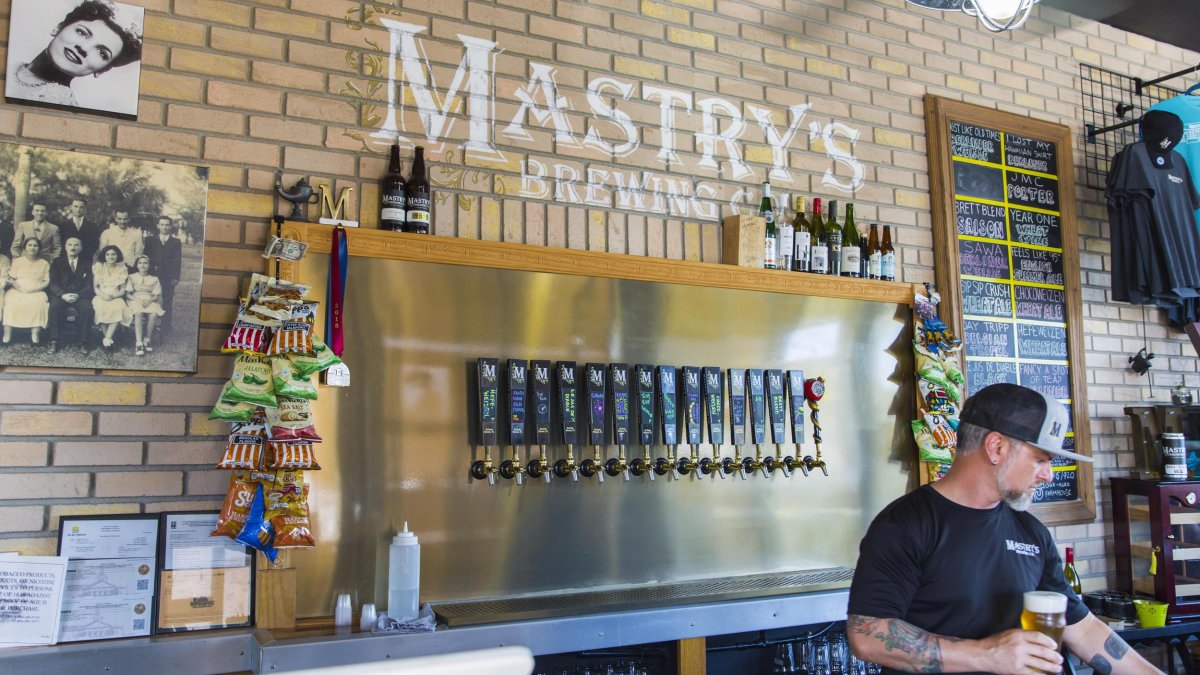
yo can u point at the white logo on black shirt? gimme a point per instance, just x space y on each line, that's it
1174 179
1023 549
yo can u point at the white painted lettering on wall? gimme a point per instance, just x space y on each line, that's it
612 135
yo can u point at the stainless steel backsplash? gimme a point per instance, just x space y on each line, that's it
398 440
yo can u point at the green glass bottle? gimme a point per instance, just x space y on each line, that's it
771 241
833 238
850 250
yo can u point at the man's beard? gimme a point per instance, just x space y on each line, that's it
1016 499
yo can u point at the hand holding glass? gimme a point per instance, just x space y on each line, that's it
1046 613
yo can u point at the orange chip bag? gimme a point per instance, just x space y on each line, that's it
292 337
245 451
236 507
246 447
293 456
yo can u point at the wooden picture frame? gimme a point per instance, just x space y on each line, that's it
940 115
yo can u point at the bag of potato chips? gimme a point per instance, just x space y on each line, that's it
289 382
251 382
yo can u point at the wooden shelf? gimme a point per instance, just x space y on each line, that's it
1178 516
371 243
1179 550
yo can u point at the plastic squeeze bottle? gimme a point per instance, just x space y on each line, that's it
404 576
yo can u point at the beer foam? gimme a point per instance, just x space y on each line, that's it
1045 602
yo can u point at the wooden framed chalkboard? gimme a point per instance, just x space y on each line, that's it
1007 266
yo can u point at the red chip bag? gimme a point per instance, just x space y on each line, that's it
236 507
293 456
291 421
246 337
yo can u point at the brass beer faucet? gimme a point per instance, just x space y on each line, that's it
758 422
814 390
565 373
737 421
644 381
518 382
487 388
542 419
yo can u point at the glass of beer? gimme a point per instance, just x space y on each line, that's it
1046 613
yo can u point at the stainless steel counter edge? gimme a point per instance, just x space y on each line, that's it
203 653
569 634
257 651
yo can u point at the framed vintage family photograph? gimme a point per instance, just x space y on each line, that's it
101 260
75 54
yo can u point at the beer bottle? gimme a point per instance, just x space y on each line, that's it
770 246
850 250
864 257
391 194
416 192
887 265
819 260
874 254
833 239
802 238
1070 574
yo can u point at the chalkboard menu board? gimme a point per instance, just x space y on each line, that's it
1004 209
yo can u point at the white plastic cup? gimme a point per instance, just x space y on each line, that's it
342 611
367 618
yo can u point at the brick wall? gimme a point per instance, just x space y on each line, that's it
247 87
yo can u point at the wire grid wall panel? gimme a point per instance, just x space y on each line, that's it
1111 98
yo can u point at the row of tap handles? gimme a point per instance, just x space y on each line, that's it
633 399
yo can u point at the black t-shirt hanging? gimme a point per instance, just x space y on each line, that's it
953 570
1155 244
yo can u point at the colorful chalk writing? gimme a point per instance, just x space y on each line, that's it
1011 268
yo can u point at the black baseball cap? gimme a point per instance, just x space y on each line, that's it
1161 131
1021 413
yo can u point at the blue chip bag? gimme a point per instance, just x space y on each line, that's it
258 533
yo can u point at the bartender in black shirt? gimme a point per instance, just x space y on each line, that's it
942 571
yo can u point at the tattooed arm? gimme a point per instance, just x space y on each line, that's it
1103 649
900 645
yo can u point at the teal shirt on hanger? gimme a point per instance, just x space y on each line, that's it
1187 108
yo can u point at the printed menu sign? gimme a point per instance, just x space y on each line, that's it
1014 302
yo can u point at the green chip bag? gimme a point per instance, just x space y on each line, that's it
251 382
321 359
231 412
288 380
930 452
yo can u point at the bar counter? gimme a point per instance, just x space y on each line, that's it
262 651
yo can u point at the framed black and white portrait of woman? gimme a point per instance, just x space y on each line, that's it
75 54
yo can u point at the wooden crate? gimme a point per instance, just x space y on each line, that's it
743 240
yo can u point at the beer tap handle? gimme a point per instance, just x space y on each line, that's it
518 386
618 375
487 385
597 393
565 372
814 391
714 411
796 398
737 420
542 418
668 398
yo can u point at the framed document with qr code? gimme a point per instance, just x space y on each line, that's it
111 575
205 581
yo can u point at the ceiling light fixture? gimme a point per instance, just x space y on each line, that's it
995 15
